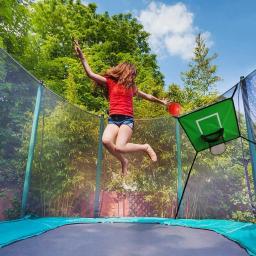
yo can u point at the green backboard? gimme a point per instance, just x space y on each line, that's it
209 120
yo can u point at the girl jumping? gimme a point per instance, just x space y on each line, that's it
120 84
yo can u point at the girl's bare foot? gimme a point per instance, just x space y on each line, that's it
125 166
151 153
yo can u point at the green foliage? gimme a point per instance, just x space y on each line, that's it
15 210
154 184
200 79
14 25
176 94
247 216
64 161
217 186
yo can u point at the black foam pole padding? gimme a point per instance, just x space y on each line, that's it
186 183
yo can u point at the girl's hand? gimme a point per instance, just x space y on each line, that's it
166 102
78 50
97 78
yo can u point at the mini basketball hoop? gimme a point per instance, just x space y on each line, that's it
216 142
211 127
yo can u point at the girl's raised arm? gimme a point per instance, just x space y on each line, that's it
152 98
97 78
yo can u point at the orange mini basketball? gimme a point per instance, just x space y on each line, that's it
174 109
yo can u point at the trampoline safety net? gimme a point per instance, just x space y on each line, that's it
73 175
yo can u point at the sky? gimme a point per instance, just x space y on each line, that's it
228 27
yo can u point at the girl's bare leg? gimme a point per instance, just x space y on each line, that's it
109 139
123 145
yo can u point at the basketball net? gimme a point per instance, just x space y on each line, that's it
215 141
218 149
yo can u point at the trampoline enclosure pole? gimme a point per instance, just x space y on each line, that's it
99 168
31 151
179 163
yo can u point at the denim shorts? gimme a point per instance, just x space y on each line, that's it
120 120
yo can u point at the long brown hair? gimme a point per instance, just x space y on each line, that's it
124 73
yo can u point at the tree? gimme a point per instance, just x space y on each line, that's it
14 24
201 78
54 25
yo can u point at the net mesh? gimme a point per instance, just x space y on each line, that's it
248 102
63 175
223 186
148 189
218 187
63 172
17 101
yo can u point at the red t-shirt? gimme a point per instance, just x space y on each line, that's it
120 98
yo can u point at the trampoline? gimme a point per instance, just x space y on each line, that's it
125 239
128 236
61 194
